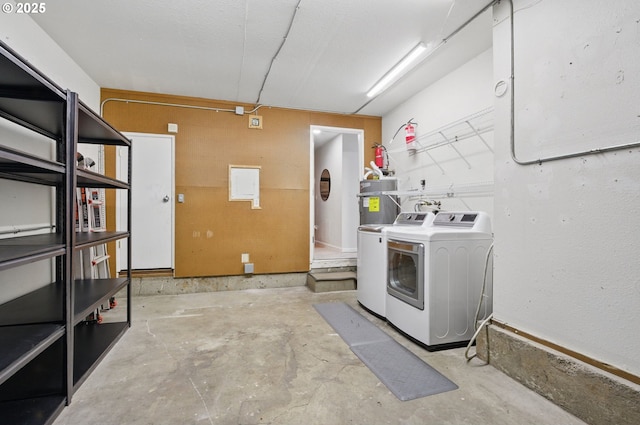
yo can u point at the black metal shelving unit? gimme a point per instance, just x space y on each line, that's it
47 348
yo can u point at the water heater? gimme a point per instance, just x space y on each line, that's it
376 207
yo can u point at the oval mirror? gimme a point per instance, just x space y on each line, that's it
325 184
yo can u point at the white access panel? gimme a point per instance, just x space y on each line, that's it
372 268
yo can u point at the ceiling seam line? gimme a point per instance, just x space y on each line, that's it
273 59
244 48
446 19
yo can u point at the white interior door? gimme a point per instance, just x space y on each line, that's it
152 199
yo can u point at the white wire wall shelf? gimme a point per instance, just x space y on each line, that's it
472 126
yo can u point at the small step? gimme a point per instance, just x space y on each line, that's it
331 281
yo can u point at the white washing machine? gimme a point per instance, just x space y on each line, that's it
435 277
372 259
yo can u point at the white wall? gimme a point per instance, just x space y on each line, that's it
328 214
566 232
28 40
350 189
24 36
465 91
337 218
24 204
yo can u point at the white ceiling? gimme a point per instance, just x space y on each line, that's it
223 49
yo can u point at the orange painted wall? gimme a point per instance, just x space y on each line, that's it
211 232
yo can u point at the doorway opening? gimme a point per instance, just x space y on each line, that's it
337 158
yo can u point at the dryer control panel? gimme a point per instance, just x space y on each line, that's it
458 219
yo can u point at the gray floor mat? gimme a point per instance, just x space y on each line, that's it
406 375
349 324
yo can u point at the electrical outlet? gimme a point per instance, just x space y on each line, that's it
245 258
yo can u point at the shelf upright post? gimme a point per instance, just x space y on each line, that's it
63 263
129 171
70 143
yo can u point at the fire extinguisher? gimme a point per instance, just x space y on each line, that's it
379 156
410 136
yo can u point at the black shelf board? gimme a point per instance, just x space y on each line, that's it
92 341
90 293
43 305
27 249
17 72
88 239
46 118
22 166
21 344
95 130
28 98
86 178
32 411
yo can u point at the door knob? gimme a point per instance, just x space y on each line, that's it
166 198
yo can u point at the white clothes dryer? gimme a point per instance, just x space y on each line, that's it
435 277
372 259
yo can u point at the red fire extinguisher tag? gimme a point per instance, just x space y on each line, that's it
410 136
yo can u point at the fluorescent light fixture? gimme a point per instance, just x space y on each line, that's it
398 70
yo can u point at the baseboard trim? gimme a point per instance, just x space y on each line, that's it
578 356
148 273
590 393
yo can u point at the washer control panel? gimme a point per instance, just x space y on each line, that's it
411 219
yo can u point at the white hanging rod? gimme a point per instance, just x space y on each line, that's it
470 189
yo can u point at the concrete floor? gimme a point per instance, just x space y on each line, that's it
265 356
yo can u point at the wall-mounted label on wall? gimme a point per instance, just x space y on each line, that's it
374 204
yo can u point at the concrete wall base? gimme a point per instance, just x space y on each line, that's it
175 286
591 394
